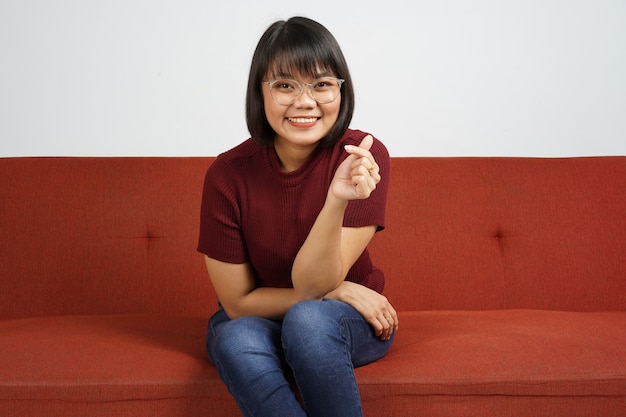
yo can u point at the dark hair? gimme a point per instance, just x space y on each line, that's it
298 45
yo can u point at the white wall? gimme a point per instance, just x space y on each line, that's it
433 77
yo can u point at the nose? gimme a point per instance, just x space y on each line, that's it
305 98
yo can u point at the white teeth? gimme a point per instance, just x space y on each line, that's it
302 119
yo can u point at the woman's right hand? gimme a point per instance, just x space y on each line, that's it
357 176
374 307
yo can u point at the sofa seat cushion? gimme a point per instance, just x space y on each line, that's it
470 362
443 363
117 365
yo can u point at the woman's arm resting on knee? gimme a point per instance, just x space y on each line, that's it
239 296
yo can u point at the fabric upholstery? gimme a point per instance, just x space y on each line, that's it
155 365
499 233
509 275
101 236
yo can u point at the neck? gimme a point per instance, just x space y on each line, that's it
290 156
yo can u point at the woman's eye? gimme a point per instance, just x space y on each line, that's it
322 84
284 86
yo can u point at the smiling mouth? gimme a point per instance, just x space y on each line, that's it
302 120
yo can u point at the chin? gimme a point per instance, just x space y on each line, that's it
304 137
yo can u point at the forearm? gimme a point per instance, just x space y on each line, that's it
326 255
318 267
270 303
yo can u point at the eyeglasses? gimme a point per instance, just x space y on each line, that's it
323 90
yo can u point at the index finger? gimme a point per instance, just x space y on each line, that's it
365 145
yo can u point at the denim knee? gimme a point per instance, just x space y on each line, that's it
309 316
245 335
312 328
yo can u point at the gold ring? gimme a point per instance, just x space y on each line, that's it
371 169
388 318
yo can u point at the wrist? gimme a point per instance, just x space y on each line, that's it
340 292
334 202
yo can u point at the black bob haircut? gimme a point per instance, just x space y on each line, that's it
298 45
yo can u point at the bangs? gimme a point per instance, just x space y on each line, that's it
285 67
304 57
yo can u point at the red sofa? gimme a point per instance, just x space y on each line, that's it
509 275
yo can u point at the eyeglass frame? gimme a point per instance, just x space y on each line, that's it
340 81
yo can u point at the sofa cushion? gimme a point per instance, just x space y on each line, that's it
125 365
442 363
506 362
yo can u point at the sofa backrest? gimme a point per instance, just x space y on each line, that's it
101 236
505 233
118 235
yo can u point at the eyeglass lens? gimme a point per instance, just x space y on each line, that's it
323 90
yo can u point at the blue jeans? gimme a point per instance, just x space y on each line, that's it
317 344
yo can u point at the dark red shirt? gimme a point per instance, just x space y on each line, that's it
253 212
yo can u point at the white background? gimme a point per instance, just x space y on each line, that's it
434 78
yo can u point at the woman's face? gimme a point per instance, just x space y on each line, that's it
304 122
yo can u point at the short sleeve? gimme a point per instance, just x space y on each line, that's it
220 234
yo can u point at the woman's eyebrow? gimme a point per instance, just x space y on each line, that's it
284 74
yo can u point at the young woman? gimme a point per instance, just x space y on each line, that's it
285 222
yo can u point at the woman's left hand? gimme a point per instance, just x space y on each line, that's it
357 176
374 307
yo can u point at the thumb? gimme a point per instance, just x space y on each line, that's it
366 143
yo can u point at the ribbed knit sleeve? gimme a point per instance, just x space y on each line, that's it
220 214
371 210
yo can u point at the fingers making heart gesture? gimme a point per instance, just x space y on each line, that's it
358 175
